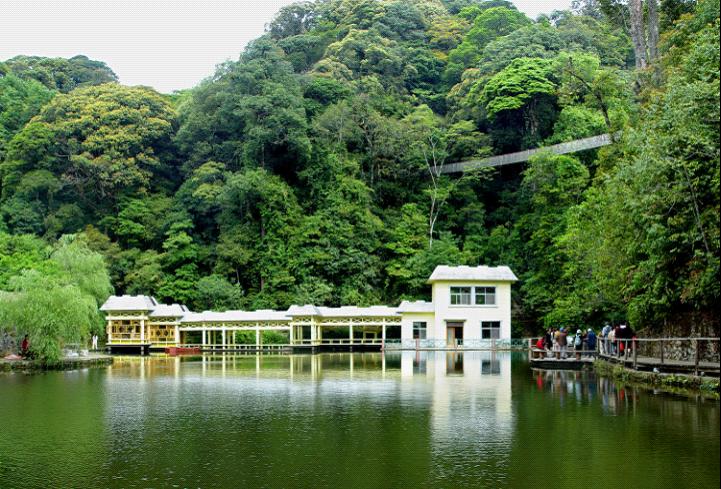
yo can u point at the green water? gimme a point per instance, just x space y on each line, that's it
348 420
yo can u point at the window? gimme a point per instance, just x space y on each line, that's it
490 330
419 330
485 296
460 296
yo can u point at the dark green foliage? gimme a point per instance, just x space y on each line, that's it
308 171
60 74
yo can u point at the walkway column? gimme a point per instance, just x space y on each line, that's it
177 334
142 330
223 337
110 331
290 335
257 337
350 331
312 333
205 337
383 340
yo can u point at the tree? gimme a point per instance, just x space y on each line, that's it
99 143
249 115
259 223
526 87
492 23
54 297
20 100
551 185
61 74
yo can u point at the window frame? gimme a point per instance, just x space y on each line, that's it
488 326
461 294
485 294
420 329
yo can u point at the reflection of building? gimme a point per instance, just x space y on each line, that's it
471 308
470 396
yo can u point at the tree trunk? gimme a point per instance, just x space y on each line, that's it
638 33
652 30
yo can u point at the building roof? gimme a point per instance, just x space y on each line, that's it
306 310
169 310
129 303
417 306
479 274
235 316
370 311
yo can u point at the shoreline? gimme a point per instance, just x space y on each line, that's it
65 363
682 384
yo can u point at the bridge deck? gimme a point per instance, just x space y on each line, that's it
521 156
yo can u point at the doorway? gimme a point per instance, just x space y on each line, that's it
454 334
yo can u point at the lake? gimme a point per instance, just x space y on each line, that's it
404 419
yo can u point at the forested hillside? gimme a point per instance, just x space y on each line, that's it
308 171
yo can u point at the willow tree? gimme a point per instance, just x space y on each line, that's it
55 300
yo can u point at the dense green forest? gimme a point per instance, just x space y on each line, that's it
308 171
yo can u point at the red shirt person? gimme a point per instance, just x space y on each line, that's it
25 346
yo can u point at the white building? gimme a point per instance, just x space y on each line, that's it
470 308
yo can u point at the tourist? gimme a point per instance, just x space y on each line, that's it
25 347
578 343
611 341
548 340
622 336
562 342
95 341
605 343
617 340
590 341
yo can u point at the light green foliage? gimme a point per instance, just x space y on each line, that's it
490 24
53 296
61 74
655 212
91 147
518 85
20 100
551 185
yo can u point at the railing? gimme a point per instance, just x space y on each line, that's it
341 341
126 338
238 347
695 352
690 351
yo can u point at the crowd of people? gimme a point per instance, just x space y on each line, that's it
612 340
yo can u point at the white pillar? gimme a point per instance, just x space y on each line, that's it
110 331
383 340
312 333
257 337
142 330
350 331
223 337
290 335
205 337
177 334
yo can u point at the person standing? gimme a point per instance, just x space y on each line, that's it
605 342
25 347
590 341
95 341
563 342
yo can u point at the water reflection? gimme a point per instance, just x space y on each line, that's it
405 419
584 387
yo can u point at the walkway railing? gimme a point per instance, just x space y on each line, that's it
682 353
696 353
